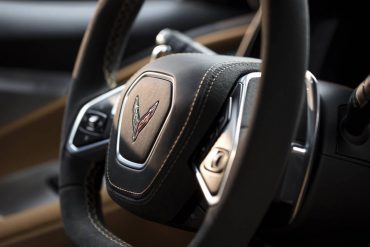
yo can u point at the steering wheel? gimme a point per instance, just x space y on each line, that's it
183 123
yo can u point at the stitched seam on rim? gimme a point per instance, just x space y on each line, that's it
181 131
113 44
117 37
91 212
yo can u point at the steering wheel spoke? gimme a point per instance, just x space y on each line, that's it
221 143
91 129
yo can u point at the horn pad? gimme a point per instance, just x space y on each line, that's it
164 113
144 111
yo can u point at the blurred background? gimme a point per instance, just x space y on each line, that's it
39 42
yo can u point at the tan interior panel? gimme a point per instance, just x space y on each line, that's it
32 139
42 226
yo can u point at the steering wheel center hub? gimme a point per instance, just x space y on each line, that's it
143 114
163 115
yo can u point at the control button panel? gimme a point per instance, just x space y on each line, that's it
93 123
211 137
215 153
216 149
93 128
213 164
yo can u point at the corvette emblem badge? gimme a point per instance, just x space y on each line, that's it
139 122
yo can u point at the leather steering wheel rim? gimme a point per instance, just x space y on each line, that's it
285 55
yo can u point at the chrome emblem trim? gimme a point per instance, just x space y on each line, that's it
120 157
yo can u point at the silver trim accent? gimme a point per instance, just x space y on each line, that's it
313 119
160 51
122 159
307 150
299 149
70 146
233 129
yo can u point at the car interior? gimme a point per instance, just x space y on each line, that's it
184 123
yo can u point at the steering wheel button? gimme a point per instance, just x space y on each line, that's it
216 160
212 168
94 122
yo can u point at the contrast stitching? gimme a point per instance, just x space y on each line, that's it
113 44
116 38
92 214
182 129
97 224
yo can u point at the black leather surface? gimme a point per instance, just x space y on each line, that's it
201 86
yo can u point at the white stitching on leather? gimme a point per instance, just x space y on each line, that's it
116 33
91 213
181 131
120 243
